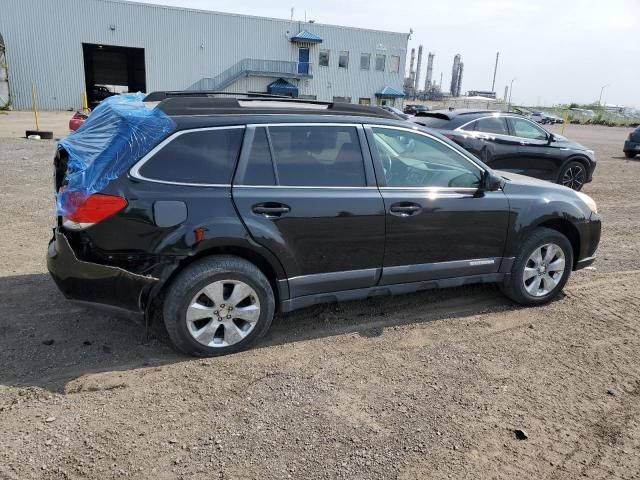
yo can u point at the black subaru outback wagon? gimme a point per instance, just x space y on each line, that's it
252 206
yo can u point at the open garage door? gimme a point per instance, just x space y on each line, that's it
109 70
4 77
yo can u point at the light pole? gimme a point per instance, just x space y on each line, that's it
602 90
510 90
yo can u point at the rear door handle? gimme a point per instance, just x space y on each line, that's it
404 209
270 210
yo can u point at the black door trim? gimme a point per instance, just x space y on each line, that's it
398 289
433 271
331 281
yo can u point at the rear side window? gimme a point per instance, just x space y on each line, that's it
203 157
470 127
259 167
497 125
318 156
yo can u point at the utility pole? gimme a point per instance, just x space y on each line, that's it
602 90
495 70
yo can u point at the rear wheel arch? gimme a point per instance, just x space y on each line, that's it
260 261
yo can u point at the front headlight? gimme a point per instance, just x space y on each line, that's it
588 201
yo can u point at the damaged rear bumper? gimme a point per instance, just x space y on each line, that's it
110 287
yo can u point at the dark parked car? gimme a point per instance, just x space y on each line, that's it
100 92
632 144
396 112
511 142
250 208
541 118
413 109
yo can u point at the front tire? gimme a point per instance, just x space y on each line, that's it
629 154
219 305
573 175
541 270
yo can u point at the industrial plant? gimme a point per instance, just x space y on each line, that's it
431 90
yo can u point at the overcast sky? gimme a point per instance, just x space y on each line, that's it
558 51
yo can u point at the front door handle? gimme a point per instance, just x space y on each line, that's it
405 209
270 209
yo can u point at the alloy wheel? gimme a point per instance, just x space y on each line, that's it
223 313
574 177
543 270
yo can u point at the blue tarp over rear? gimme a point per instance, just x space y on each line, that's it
119 132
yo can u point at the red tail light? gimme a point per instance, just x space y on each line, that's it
94 209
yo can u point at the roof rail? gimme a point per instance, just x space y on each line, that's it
208 103
160 95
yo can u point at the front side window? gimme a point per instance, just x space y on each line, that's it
413 160
343 60
323 59
394 64
496 125
318 156
365 61
380 62
202 157
525 129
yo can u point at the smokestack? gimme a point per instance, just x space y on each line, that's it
495 70
418 68
455 74
459 85
506 92
413 60
427 80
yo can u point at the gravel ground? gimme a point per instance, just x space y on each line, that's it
430 385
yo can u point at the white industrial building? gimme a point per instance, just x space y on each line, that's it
68 46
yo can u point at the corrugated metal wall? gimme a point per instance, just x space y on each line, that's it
44 44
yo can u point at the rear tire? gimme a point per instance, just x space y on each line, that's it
534 282
219 305
629 154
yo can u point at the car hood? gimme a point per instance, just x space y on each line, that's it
517 181
520 186
563 142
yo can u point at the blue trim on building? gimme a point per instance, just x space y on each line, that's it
306 36
282 87
389 92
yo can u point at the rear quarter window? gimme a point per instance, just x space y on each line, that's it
201 157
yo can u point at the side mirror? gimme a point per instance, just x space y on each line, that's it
491 182
551 138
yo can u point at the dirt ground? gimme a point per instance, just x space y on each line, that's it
16 123
429 385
